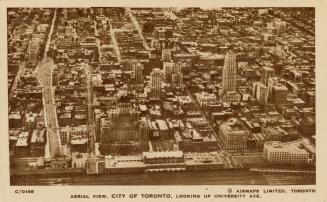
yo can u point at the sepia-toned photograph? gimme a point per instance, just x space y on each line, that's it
161 96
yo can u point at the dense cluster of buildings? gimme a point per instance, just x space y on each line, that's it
27 31
151 89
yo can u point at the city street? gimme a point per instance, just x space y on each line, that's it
18 75
90 110
114 40
47 46
138 28
44 76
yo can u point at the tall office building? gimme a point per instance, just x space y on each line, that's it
271 82
229 73
155 82
177 80
279 94
266 73
177 76
137 71
155 43
260 92
177 68
168 68
33 50
166 55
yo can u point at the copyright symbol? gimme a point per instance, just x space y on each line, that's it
229 190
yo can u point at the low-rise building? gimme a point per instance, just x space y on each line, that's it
203 161
205 98
22 147
233 135
279 94
38 141
190 140
69 133
124 164
299 152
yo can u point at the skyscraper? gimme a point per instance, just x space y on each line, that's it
33 50
177 68
155 82
177 76
137 71
166 55
229 73
271 83
279 94
177 80
266 73
168 68
260 92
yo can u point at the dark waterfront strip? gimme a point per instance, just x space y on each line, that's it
184 178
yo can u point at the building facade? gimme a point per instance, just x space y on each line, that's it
229 73
137 71
294 153
260 92
156 82
266 73
233 135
